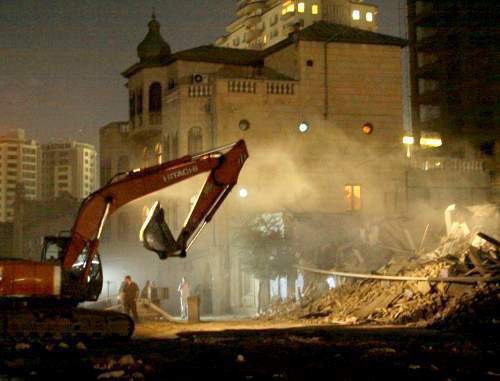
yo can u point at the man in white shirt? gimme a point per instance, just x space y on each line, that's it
183 289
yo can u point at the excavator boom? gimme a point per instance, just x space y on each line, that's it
50 289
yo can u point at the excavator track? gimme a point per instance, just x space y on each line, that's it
64 322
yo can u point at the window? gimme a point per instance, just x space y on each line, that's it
11 157
356 15
236 41
353 197
265 39
315 9
12 165
171 84
195 140
288 7
369 16
145 155
159 153
155 97
301 7
12 149
131 102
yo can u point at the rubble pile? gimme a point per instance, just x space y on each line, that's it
462 288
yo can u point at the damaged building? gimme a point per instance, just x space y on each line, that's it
323 135
322 114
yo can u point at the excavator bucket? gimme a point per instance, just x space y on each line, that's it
156 235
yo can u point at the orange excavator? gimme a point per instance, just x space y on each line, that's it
40 298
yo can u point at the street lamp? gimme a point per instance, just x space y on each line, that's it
408 140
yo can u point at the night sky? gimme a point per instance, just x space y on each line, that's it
60 61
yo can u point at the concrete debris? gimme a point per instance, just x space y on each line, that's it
113 374
126 360
22 346
418 303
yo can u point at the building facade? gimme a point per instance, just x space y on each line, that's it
260 24
321 113
19 164
454 97
68 167
453 61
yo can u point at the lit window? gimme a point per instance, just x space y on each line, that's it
315 9
290 8
265 39
301 7
369 16
356 15
353 197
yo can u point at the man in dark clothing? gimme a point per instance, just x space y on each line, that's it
130 295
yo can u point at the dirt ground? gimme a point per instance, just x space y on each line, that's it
262 350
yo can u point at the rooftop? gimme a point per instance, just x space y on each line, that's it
319 31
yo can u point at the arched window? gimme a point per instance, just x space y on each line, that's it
123 164
195 140
145 156
132 106
155 103
159 153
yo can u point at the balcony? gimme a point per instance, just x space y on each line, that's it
431 71
430 97
250 7
288 15
252 20
144 131
251 35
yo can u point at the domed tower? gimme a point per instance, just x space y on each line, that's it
153 49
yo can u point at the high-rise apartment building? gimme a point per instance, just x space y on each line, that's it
68 167
262 23
19 164
454 72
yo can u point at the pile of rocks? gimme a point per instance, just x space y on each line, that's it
463 275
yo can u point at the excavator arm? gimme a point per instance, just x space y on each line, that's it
223 165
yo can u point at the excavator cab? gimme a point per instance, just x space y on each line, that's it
53 248
53 252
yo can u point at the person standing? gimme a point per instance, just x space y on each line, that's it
183 290
130 295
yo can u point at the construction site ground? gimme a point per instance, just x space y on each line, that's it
262 350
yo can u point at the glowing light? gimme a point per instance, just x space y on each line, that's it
301 7
356 15
431 142
315 9
408 139
367 128
303 127
136 170
369 16
243 193
430 139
